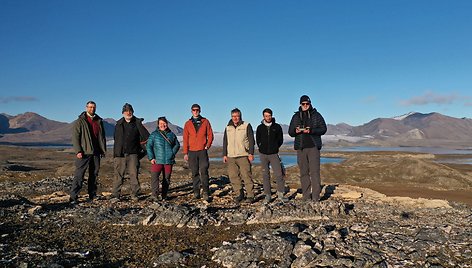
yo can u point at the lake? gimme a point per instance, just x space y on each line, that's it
289 159
429 150
465 161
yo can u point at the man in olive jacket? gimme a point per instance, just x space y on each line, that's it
130 135
88 139
307 126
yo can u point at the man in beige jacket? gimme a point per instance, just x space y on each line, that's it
238 153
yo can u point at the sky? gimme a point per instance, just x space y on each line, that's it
357 60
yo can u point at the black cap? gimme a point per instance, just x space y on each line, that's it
196 106
127 107
304 98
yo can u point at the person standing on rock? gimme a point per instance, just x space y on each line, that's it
89 143
162 147
269 138
198 137
307 126
238 153
130 136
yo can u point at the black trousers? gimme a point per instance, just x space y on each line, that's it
92 163
198 163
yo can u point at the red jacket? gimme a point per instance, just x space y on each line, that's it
197 141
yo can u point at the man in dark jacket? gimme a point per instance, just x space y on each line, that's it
307 126
88 139
130 135
269 138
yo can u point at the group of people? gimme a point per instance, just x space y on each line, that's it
132 142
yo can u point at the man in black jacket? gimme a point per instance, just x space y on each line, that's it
269 138
307 126
130 135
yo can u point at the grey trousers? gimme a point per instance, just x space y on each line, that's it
267 161
92 162
198 163
239 170
122 164
310 179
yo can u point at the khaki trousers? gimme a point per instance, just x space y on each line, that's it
239 170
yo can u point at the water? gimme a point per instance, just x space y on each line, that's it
289 159
430 150
465 161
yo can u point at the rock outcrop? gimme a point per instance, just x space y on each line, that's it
351 227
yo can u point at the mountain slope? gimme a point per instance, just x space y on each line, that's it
417 126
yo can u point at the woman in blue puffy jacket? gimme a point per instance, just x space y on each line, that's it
162 146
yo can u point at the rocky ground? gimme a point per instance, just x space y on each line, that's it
352 226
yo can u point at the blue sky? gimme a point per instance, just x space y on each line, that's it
357 60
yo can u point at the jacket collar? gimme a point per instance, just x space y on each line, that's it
84 115
230 123
122 120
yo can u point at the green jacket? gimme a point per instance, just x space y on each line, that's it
81 138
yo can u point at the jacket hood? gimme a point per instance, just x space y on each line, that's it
199 117
134 118
167 130
273 120
311 109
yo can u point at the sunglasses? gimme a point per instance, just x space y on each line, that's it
305 103
195 110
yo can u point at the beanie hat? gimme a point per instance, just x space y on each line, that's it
196 106
127 107
304 98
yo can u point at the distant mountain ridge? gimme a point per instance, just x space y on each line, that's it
32 128
417 126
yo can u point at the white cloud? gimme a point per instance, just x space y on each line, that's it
369 99
17 99
431 97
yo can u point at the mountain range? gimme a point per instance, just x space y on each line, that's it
32 128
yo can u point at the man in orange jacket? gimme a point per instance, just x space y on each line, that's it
198 137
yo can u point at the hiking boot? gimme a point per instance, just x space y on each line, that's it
196 196
250 200
281 197
267 199
239 198
73 201
206 198
114 199
110 197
